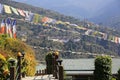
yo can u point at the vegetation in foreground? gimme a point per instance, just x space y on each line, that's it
10 47
103 66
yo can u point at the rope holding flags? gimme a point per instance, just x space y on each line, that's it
28 15
8 27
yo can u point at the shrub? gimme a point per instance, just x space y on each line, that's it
10 47
49 62
3 68
103 68
118 77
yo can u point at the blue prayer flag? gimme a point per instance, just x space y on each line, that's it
1 8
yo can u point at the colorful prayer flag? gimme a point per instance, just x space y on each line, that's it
50 20
53 21
105 36
7 9
116 40
31 16
2 28
113 40
21 12
14 29
40 18
119 40
36 18
14 10
1 8
44 19
8 25
27 15
10 29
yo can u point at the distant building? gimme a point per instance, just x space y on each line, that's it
58 39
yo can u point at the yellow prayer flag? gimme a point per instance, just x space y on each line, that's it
7 9
59 22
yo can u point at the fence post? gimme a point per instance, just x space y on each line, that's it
12 69
61 73
53 64
12 73
55 69
19 65
45 71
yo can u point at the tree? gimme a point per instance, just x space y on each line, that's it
103 68
49 62
118 77
3 68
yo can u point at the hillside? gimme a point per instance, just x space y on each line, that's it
71 37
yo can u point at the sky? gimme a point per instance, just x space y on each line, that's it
71 7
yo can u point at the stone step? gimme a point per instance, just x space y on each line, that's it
42 77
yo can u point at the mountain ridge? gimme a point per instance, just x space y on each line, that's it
86 7
110 17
